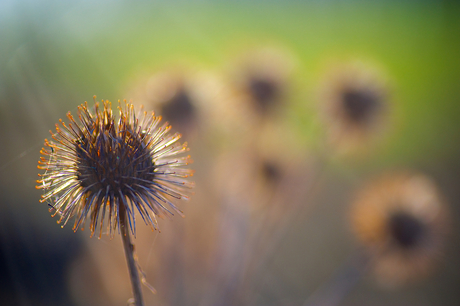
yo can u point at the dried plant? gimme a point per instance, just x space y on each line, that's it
101 165
401 219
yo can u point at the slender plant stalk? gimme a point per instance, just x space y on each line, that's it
129 253
339 286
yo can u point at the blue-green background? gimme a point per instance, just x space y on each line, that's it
54 55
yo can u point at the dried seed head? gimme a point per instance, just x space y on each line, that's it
171 94
401 219
96 165
355 102
262 77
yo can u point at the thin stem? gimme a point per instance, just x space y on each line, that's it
337 288
129 253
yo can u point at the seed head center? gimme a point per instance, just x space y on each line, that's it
113 160
360 105
406 230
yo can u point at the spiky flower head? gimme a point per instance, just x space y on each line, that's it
402 220
101 164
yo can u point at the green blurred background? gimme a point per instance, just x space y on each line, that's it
54 55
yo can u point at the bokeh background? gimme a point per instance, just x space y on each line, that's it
276 237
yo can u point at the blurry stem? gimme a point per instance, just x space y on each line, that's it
299 211
270 244
129 253
338 287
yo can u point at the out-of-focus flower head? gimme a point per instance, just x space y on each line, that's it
261 80
354 100
177 94
401 220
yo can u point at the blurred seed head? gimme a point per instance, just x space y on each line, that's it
261 78
96 165
177 95
172 95
401 219
355 102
